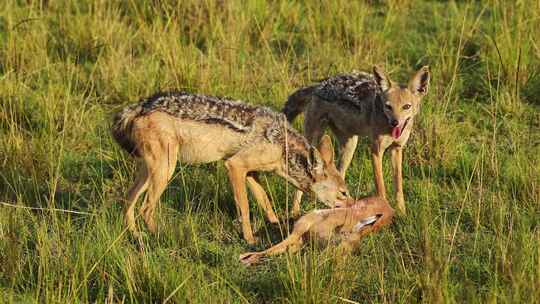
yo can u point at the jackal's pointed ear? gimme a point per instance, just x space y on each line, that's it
317 163
326 149
419 83
380 77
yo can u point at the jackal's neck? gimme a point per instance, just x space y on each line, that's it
297 170
376 109
296 167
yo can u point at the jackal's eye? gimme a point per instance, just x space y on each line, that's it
406 107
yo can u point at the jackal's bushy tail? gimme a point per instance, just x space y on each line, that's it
121 128
297 102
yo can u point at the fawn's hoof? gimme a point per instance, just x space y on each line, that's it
250 258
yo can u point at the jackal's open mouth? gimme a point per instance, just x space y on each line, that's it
397 130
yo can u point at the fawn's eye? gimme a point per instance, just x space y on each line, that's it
406 107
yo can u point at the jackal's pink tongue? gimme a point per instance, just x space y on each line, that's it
396 132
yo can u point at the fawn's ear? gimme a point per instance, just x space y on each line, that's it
419 83
380 77
327 150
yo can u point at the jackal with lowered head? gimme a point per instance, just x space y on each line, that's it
193 128
369 105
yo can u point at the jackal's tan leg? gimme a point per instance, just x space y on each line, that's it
237 175
347 146
261 197
140 185
296 203
397 159
160 156
377 157
257 157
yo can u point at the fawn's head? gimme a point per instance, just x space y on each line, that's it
400 103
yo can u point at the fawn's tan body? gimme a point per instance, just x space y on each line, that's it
193 129
362 104
346 225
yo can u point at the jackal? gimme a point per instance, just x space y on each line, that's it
363 104
346 224
196 128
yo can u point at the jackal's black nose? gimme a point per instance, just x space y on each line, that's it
394 123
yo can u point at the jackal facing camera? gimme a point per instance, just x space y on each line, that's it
362 104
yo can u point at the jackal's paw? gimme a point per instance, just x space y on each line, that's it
135 235
400 205
401 210
252 241
273 219
152 227
295 214
250 258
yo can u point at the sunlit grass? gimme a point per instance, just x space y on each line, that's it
472 167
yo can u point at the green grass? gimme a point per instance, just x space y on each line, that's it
472 166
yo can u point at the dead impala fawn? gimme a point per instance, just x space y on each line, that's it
346 225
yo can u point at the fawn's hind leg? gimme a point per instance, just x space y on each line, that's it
160 155
293 242
140 185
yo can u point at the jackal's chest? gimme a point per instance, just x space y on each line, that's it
386 140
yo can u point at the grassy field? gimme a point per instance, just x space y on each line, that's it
472 167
